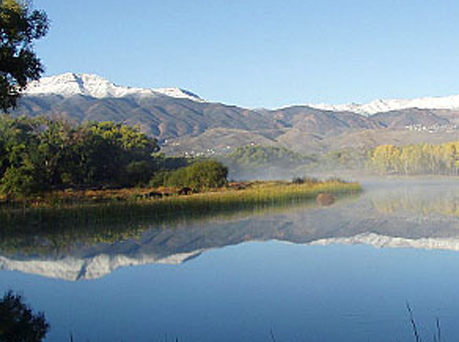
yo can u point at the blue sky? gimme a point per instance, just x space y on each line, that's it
261 53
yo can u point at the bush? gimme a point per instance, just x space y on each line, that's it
298 180
206 174
305 180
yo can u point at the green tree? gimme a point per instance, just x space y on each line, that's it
206 174
39 154
18 322
19 161
20 26
386 158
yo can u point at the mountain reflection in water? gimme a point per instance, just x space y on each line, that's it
411 214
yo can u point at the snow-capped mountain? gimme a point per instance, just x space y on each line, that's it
383 241
71 84
95 267
98 266
379 106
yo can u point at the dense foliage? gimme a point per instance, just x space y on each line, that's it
417 159
41 154
200 175
343 159
20 26
263 162
271 162
18 322
441 159
255 156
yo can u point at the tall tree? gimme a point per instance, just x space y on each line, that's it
20 26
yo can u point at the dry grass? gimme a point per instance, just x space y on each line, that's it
89 207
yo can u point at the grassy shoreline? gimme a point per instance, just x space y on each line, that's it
112 207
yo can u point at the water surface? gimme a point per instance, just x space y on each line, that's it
304 272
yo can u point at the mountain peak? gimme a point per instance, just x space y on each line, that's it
380 105
71 84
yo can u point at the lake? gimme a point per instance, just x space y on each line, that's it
343 272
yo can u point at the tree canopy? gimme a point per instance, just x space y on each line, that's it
39 154
20 26
417 159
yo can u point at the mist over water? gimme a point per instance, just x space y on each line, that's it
307 272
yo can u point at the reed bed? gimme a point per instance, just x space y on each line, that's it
172 208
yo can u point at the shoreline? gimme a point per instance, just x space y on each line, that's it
169 208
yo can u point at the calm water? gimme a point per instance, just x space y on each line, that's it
306 273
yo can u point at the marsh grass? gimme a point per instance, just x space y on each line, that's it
44 230
437 336
171 208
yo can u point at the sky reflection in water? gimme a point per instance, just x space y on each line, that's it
243 279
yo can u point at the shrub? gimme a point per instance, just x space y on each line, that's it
205 174
298 180
305 180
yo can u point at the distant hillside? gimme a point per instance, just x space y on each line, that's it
409 117
184 123
162 117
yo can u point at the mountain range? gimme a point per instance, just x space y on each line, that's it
184 122
97 266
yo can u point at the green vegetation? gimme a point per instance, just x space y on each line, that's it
421 159
20 26
267 162
344 159
40 155
54 173
256 156
237 196
263 161
207 174
41 230
416 159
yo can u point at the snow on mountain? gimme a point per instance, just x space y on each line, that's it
178 93
382 241
71 84
378 106
70 268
